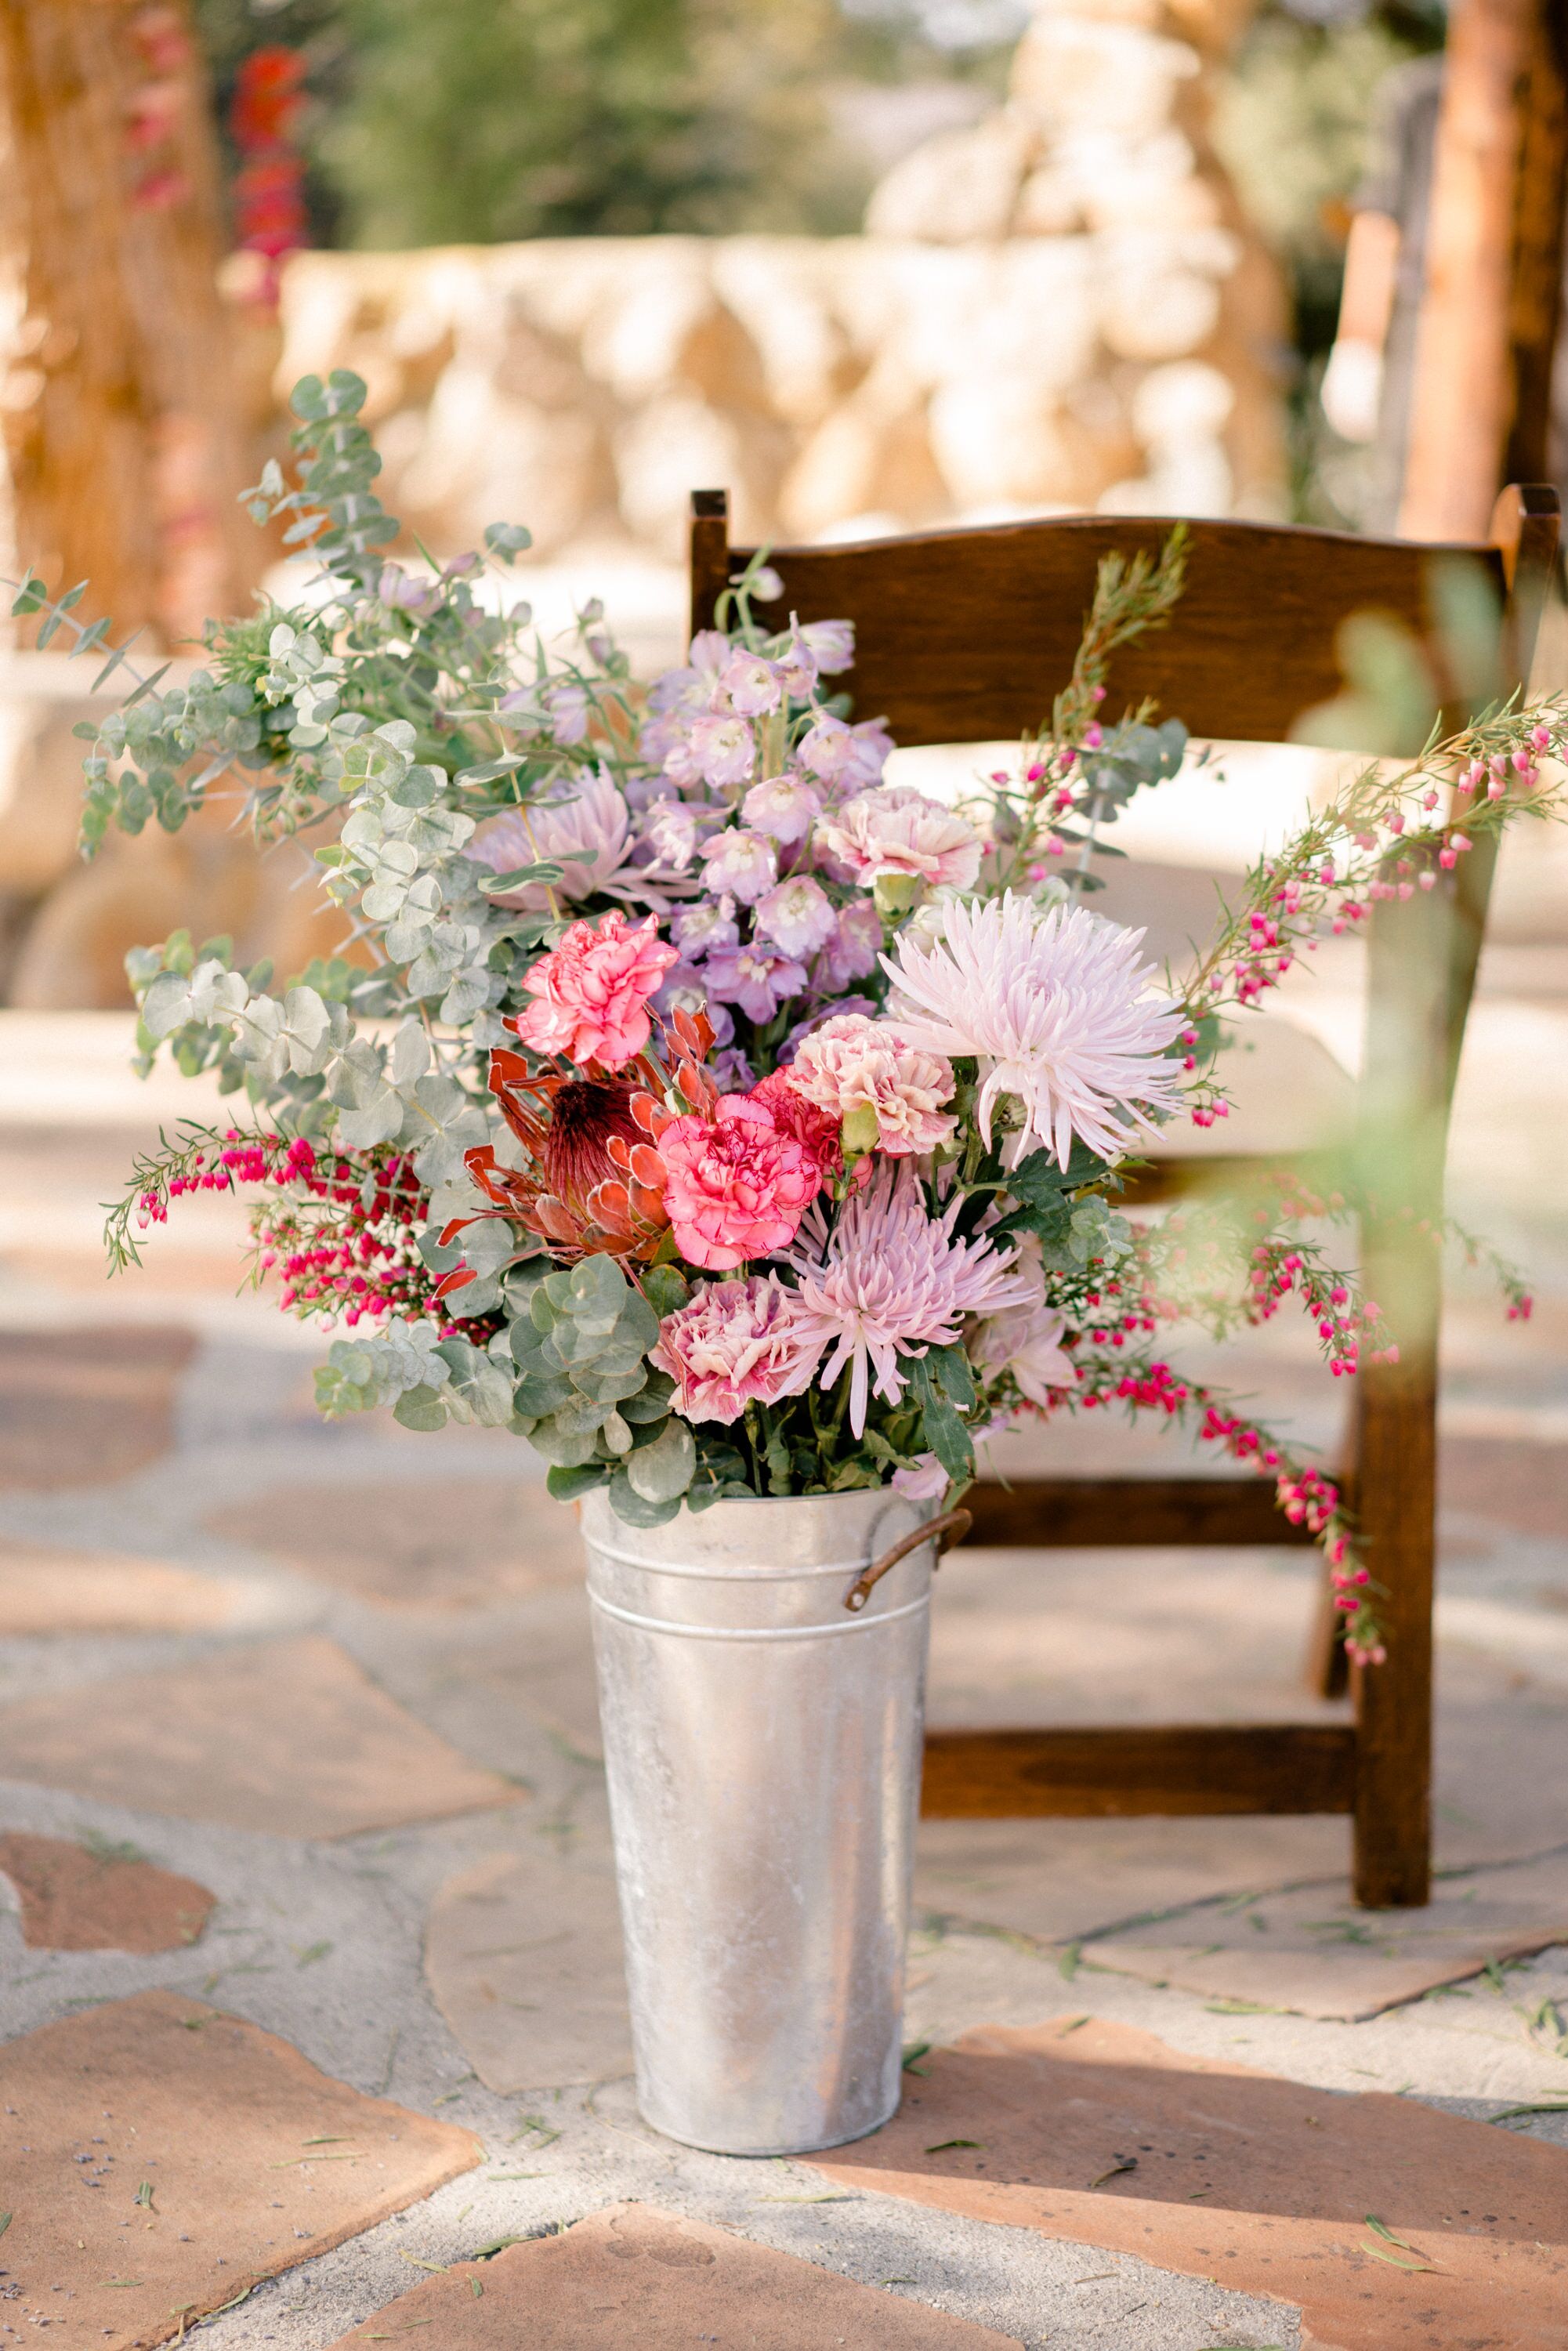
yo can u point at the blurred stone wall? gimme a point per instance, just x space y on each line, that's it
1054 309
1057 308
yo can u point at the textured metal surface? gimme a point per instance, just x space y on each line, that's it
763 1749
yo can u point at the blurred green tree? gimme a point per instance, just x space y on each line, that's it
457 122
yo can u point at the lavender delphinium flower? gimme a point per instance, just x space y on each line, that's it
784 807
797 915
710 923
750 684
745 863
831 644
852 952
722 749
755 978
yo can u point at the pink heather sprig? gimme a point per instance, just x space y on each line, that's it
340 1230
1305 1496
1385 837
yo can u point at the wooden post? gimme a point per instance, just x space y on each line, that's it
1421 975
709 554
1494 267
1535 303
1400 1152
119 419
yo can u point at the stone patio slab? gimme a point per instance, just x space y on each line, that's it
523 1955
635 2276
1056 1881
161 2157
286 1737
1312 1951
84 1408
45 1590
99 1897
429 1543
1393 2227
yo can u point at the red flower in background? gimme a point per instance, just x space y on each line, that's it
270 217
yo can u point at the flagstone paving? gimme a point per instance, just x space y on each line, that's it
44 1588
1393 2228
636 2275
339 1677
99 1896
290 1737
424 1543
81 1407
1311 1951
189 2155
523 1955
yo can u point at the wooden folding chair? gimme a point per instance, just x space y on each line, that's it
962 636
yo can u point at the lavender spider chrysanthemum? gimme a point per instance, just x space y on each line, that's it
889 1280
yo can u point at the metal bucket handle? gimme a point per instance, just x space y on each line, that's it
953 1524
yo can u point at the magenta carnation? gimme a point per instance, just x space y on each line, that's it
737 1183
738 1343
592 992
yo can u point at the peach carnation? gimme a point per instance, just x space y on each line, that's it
895 831
736 1343
864 1070
592 992
738 1185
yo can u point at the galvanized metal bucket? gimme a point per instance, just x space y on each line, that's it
763 1744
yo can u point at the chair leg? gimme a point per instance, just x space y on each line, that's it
1327 1673
1397 1411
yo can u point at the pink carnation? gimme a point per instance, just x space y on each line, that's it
737 1342
592 992
738 1183
895 831
854 1065
793 1115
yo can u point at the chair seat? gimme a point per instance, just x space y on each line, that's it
1286 1094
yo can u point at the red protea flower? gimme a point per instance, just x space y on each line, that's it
594 1181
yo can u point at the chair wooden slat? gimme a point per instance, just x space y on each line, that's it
1113 1513
963 636
1130 1771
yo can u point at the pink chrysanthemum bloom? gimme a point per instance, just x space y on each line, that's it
853 1066
588 834
889 1280
898 831
590 993
1057 1010
738 1343
738 1185
1027 1342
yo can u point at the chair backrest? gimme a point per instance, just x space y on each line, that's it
963 636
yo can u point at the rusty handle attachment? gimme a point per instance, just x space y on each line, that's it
953 1524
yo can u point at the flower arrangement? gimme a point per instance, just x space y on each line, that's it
686 1098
